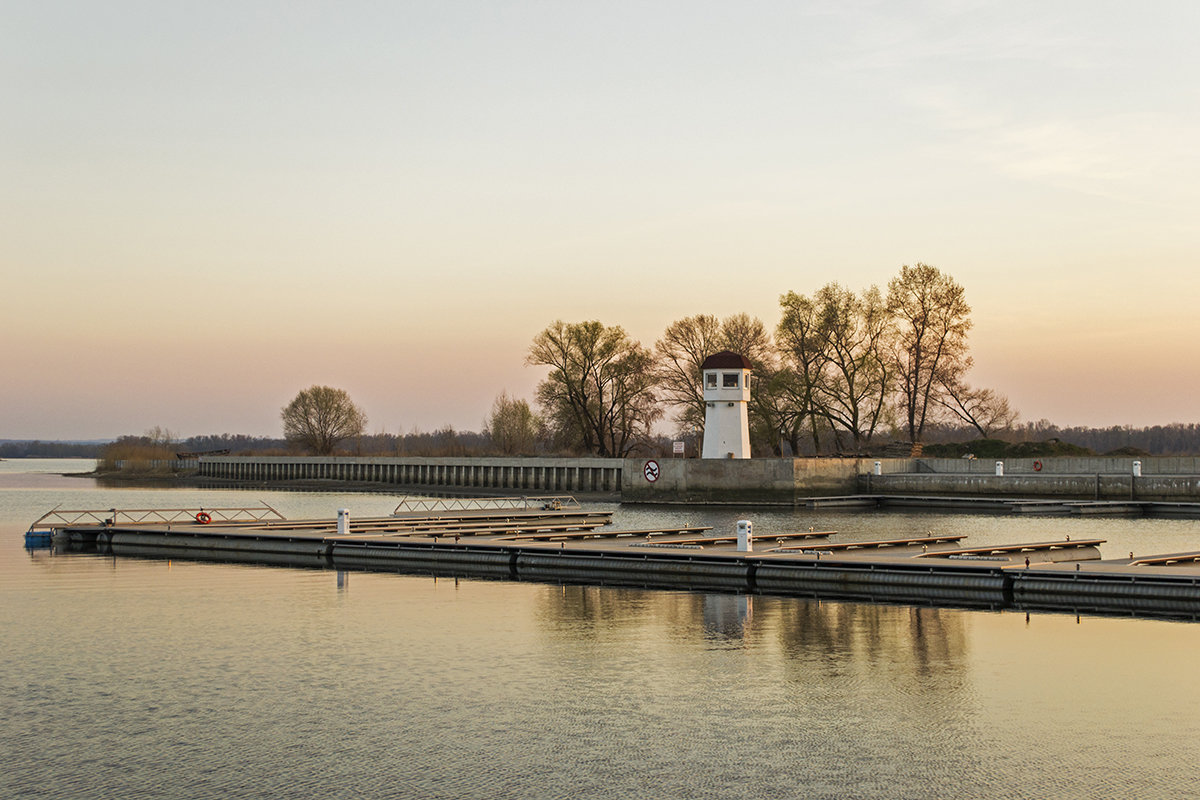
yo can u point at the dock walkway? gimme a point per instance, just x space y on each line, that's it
1005 505
569 546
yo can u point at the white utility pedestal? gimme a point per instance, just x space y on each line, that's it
745 534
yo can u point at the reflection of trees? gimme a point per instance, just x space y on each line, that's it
587 613
919 642
584 611
916 642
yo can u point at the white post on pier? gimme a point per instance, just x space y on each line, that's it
745 536
1000 468
343 521
1137 469
878 468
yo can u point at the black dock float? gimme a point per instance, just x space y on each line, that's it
1109 592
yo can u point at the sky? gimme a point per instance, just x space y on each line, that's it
207 207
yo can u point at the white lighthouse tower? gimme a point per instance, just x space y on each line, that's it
726 395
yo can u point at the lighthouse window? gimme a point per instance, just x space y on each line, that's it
729 380
710 380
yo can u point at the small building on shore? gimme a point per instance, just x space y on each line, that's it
726 377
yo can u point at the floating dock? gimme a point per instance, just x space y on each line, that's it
1004 505
557 541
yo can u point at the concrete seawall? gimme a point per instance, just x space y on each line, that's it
780 481
762 480
786 481
517 475
773 481
1081 465
1101 478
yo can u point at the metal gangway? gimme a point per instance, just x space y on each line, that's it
410 505
58 517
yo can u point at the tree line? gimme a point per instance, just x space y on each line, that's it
444 441
36 448
840 372
839 369
1040 438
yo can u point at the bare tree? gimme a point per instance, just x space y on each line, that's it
320 417
599 396
986 410
930 352
679 353
162 438
748 337
512 426
684 346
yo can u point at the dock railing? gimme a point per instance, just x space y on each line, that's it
62 518
543 503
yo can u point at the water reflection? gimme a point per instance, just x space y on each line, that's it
920 642
726 617
263 681
281 682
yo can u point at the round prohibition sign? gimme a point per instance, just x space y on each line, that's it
651 470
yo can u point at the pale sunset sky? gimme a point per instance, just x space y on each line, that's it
207 207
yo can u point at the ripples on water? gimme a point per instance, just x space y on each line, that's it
140 678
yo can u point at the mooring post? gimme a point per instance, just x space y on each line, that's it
745 536
343 528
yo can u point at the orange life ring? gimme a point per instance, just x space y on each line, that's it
1037 466
203 518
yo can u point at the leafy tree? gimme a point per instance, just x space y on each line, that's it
799 339
855 385
930 352
775 416
599 396
320 417
835 348
512 426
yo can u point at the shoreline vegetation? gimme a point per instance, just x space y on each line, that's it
843 374
145 458
1033 440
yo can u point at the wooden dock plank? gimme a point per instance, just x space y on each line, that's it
1166 559
594 534
882 543
779 537
1017 548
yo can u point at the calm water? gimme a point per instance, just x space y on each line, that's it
130 678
